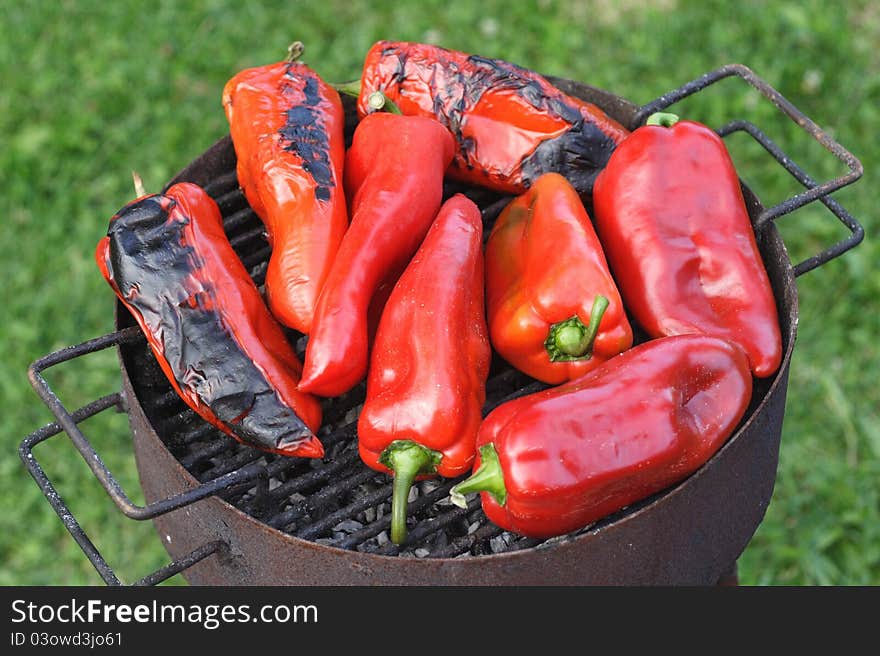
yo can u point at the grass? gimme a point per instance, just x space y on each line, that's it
92 90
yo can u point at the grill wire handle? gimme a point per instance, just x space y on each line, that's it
67 422
814 191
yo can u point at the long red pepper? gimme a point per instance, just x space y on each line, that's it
169 262
511 125
671 216
554 310
286 126
553 462
394 179
430 360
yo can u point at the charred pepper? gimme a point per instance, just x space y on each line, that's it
430 361
671 216
394 179
169 262
554 309
286 125
555 461
510 124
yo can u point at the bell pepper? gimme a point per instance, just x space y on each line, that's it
671 216
558 460
430 360
168 260
553 308
286 125
394 179
510 124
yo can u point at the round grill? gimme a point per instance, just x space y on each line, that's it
231 514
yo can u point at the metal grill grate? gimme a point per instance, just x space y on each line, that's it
337 500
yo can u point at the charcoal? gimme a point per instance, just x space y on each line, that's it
348 526
500 543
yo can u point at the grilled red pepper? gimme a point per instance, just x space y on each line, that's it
287 128
169 262
394 178
554 309
430 360
555 461
671 216
511 125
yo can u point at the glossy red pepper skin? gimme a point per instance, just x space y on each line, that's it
286 126
544 266
671 216
394 178
639 423
169 262
511 125
427 379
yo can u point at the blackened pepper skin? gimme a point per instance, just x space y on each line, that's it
510 124
303 137
168 260
287 124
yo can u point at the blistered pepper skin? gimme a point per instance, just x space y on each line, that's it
511 125
545 266
671 216
286 126
638 424
394 179
169 262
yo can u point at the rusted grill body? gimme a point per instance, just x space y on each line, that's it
229 514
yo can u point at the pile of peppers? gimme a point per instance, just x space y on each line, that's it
398 288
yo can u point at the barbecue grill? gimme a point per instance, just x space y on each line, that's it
229 514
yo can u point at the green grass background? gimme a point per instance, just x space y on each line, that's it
91 90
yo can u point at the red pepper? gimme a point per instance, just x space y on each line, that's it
555 461
430 361
394 177
511 125
554 309
671 216
287 128
169 262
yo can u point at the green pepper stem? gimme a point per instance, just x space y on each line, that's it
407 459
663 119
488 478
295 51
571 339
379 101
352 88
